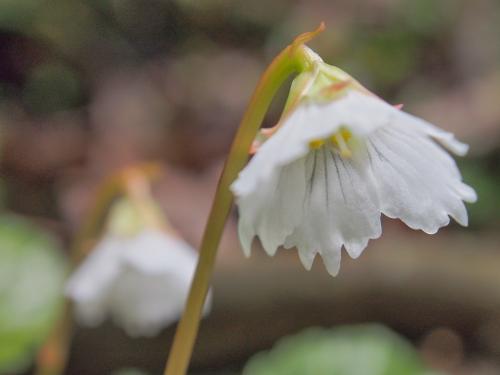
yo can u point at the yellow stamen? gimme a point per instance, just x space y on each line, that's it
346 134
339 140
316 144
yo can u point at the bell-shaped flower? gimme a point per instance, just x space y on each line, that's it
338 159
138 274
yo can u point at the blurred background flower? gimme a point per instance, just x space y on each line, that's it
89 86
138 272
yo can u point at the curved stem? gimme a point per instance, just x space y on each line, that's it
292 59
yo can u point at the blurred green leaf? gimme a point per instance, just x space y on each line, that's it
67 25
32 271
18 14
427 17
389 55
52 87
486 210
356 350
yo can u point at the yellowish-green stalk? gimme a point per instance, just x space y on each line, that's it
294 58
52 356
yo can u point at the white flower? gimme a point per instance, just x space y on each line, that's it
142 281
323 179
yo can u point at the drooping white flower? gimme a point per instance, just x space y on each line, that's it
138 273
335 163
142 282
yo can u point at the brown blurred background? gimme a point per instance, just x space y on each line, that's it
89 86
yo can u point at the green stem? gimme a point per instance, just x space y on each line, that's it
292 59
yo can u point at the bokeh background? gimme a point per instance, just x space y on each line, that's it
89 86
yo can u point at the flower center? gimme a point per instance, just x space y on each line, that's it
338 141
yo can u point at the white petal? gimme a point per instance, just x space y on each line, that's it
423 127
429 149
306 257
361 113
355 212
142 281
90 285
145 303
246 232
467 193
331 259
417 181
340 209
274 209
156 252
153 286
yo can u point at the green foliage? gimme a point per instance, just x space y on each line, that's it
389 55
52 87
486 211
356 350
32 271
18 14
428 17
